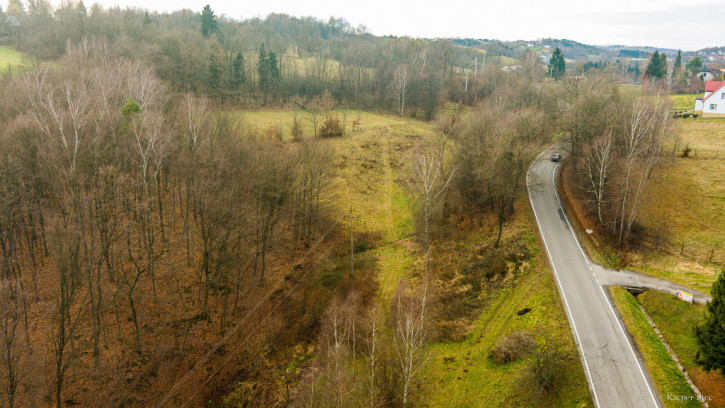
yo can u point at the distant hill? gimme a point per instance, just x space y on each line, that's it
574 50
712 50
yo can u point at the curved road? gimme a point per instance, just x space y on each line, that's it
616 375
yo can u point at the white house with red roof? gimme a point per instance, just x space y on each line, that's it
712 104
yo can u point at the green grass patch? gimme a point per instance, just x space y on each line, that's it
676 320
683 101
662 369
461 374
394 263
10 59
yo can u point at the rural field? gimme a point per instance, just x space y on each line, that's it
9 58
684 208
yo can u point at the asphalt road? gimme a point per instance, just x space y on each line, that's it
613 277
617 377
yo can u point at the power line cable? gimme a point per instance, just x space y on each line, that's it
236 350
178 384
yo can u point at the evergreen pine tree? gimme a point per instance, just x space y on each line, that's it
237 75
662 70
637 71
654 67
263 71
214 78
678 74
694 65
273 69
238 70
678 61
711 334
209 25
557 64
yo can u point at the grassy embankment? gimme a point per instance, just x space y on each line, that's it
461 374
370 168
676 321
662 369
9 59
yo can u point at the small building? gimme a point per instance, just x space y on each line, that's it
710 74
712 104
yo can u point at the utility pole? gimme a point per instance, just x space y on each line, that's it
352 248
475 71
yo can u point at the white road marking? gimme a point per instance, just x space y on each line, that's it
566 303
561 290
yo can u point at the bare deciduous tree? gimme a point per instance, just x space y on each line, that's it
410 336
399 86
11 305
428 187
598 168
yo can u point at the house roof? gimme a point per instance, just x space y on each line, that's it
721 84
712 86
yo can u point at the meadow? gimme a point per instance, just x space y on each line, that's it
10 58
683 101
684 208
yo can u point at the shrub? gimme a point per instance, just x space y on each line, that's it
274 132
686 152
490 266
296 129
331 126
513 347
546 373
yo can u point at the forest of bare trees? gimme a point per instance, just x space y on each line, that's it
121 199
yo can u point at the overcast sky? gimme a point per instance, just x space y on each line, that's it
685 24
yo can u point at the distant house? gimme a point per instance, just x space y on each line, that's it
710 74
712 104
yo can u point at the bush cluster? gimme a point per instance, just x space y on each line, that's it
331 126
513 347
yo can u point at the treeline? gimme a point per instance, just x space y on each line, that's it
135 224
284 59
617 140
